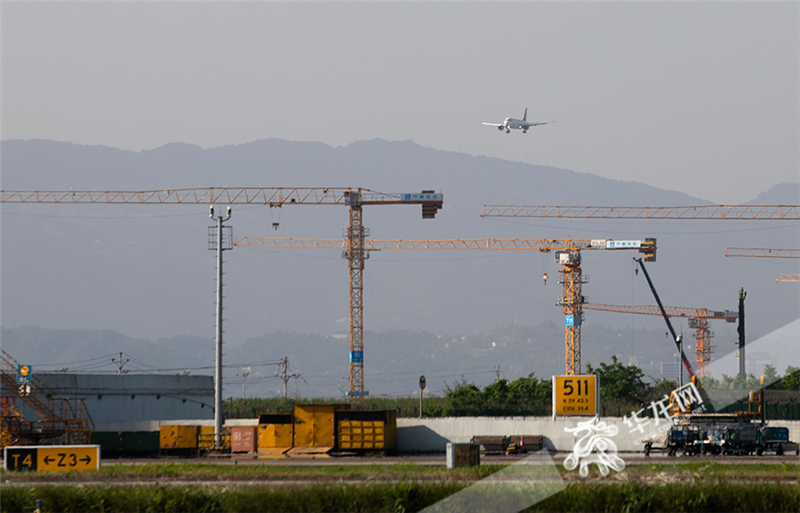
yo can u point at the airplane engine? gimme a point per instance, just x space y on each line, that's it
500 128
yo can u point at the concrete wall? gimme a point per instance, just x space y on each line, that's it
432 435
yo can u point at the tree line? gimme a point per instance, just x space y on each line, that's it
623 389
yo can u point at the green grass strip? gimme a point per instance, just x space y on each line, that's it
185 470
397 497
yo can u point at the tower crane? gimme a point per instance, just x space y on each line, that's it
727 212
788 277
698 321
355 233
567 253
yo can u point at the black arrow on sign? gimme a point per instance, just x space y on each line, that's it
86 459
48 459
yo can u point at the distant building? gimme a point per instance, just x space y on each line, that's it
133 397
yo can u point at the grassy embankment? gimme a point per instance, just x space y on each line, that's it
405 496
190 471
697 487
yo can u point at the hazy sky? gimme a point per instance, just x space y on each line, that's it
696 97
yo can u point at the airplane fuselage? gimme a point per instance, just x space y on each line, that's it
515 123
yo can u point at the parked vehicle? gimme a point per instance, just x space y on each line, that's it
723 434
776 439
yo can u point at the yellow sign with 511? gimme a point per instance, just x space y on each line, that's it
52 457
576 395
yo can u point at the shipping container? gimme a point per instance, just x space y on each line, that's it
315 428
275 434
244 439
179 439
314 424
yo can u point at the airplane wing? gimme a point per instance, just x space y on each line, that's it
492 124
540 123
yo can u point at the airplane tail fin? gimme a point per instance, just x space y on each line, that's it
525 117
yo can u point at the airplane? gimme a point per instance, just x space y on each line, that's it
516 124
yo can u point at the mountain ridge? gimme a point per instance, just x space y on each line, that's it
146 271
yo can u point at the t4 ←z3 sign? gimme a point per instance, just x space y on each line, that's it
61 458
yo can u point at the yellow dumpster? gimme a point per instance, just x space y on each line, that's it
275 434
179 439
367 430
314 428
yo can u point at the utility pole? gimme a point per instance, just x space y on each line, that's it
422 384
742 373
283 373
497 373
679 340
217 242
244 374
120 364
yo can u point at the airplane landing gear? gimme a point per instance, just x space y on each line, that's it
524 131
508 131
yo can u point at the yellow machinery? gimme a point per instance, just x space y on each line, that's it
567 253
62 421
